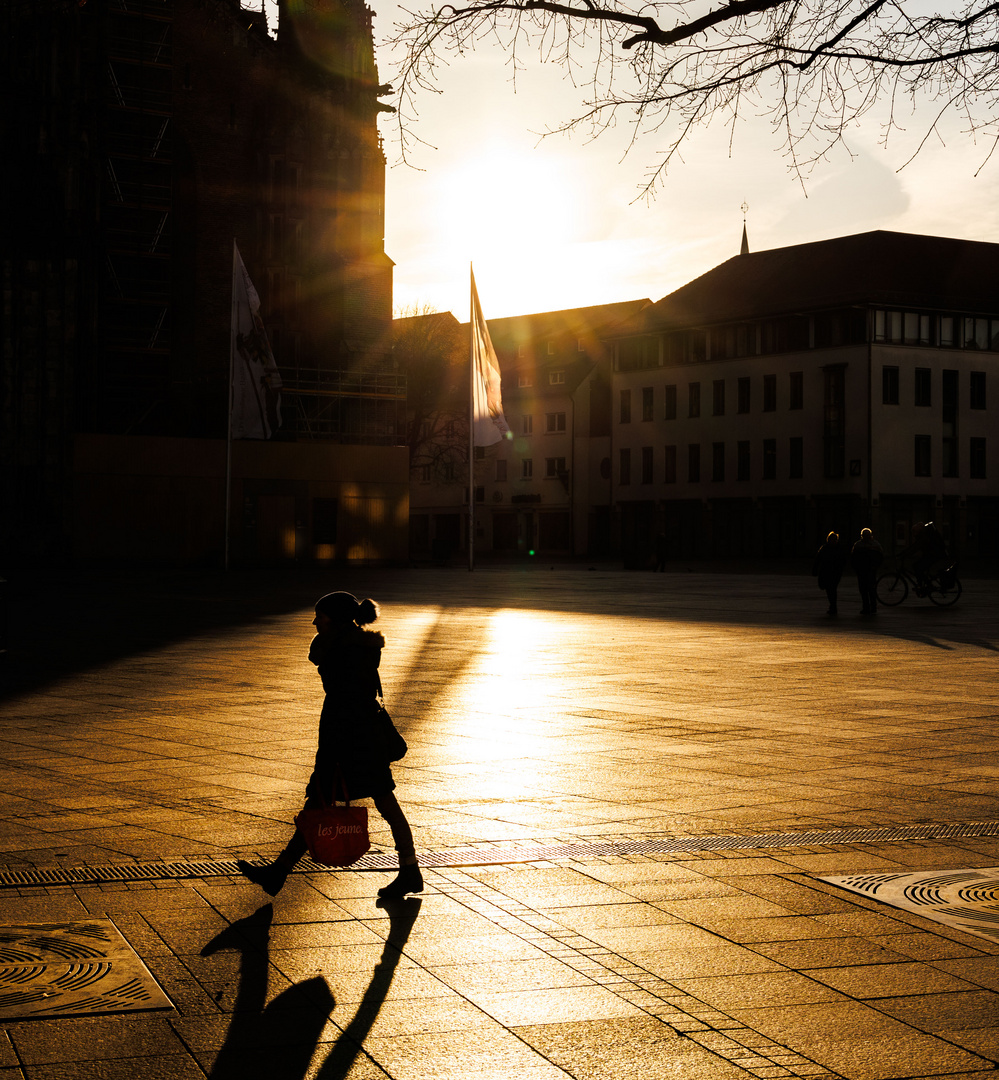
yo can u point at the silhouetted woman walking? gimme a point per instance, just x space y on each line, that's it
347 656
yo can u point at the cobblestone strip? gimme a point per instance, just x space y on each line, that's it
708 1027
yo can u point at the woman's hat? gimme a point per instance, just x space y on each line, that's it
338 606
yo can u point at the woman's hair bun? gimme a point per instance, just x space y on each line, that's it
367 612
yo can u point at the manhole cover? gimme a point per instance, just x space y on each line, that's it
965 900
72 969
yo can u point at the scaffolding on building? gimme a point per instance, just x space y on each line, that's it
367 408
136 214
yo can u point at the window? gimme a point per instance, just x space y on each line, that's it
480 453
524 380
742 459
948 448
500 470
976 459
447 473
948 400
694 399
551 348
554 466
889 385
625 466
718 397
648 403
923 395
976 387
670 476
424 473
556 378
796 457
904 327
625 410
743 389
976 333
527 469
554 421
646 464
718 461
694 463
796 390
670 411
769 393
324 520
480 493
922 455
834 421
526 424
769 459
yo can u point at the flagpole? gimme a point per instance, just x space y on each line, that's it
471 420
228 437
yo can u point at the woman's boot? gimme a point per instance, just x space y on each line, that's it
409 880
270 877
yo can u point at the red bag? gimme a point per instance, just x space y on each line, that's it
336 835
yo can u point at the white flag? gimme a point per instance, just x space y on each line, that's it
488 422
256 382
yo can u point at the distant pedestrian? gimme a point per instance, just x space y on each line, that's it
350 751
828 567
866 557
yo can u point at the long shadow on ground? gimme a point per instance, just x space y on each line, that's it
277 1040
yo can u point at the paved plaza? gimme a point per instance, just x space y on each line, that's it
568 724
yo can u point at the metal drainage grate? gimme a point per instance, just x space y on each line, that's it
961 899
505 854
72 969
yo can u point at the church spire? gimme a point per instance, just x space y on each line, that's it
744 250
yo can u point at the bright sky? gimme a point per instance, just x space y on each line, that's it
555 223
560 222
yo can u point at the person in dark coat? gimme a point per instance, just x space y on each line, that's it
866 557
828 566
350 760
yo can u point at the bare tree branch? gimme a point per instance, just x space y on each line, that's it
815 67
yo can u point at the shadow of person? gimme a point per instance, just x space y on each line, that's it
267 1041
402 915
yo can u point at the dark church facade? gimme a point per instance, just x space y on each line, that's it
142 139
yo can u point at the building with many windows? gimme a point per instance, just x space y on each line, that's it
829 385
785 393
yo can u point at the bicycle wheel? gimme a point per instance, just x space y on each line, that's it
891 589
945 595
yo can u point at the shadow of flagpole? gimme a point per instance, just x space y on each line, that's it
402 915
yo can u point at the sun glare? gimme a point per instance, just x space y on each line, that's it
509 212
501 687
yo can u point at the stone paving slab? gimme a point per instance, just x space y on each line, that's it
542 708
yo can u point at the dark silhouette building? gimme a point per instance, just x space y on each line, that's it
142 138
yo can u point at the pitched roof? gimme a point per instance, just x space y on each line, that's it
597 320
884 268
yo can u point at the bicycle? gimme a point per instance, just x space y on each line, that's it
893 587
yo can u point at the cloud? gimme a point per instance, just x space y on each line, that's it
862 194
